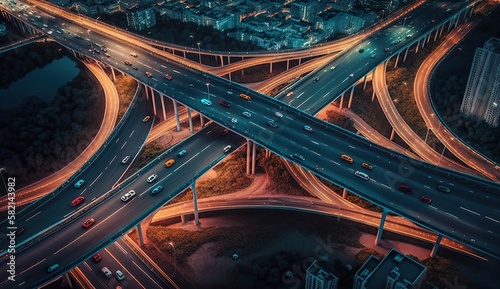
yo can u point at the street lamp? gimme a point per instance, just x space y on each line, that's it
199 52
91 45
404 22
175 263
96 20
208 90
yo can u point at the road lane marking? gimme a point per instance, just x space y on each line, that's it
494 220
465 209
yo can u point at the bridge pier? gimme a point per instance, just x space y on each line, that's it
249 146
365 81
397 59
202 121
344 193
351 96
254 152
163 110
271 67
176 112
392 134
436 246
195 204
67 279
153 100
146 89
381 226
341 101
373 95
183 219
406 53
113 73
140 234
190 120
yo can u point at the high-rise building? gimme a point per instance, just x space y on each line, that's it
317 278
305 11
482 94
394 271
141 18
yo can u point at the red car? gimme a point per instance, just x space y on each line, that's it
168 76
88 223
97 257
77 201
225 131
425 199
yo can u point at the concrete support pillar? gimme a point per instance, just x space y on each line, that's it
351 96
254 153
423 41
195 205
416 48
373 95
344 193
184 54
288 64
67 279
365 81
140 234
456 22
153 100
202 121
176 112
163 109
428 37
268 153
190 120
397 59
270 67
147 92
441 31
341 101
249 146
221 60
113 72
74 53
183 219
392 134
300 61
381 226
406 53
436 246
436 34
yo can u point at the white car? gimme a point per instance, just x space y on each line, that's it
247 114
226 148
206 102
278 114
308 128
119 275
152 178
361 175
234 120
129 195
351 75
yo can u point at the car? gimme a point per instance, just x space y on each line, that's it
234 120
346 158
245 97
97 258
299 157
88 223
118 287
129 195
230 90
181 153
332 68
167 76
272 124
169 163
226 148
107 54
405 189
146 118
134 68
316 79
152 177
128 63
125 159
53 268
409 36
308 128
247 114
289 94
367 166
206 102
156 190
97 51
361 50
224 103
351 75
224 131
442 188
106 272
386 49
191 85
119 275
77 201
79 183
278 114
361 175
372 56
133 54
425 199
148 74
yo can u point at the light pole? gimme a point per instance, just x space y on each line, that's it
404 22
91 45
208 90
175 262
96 20
199 52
